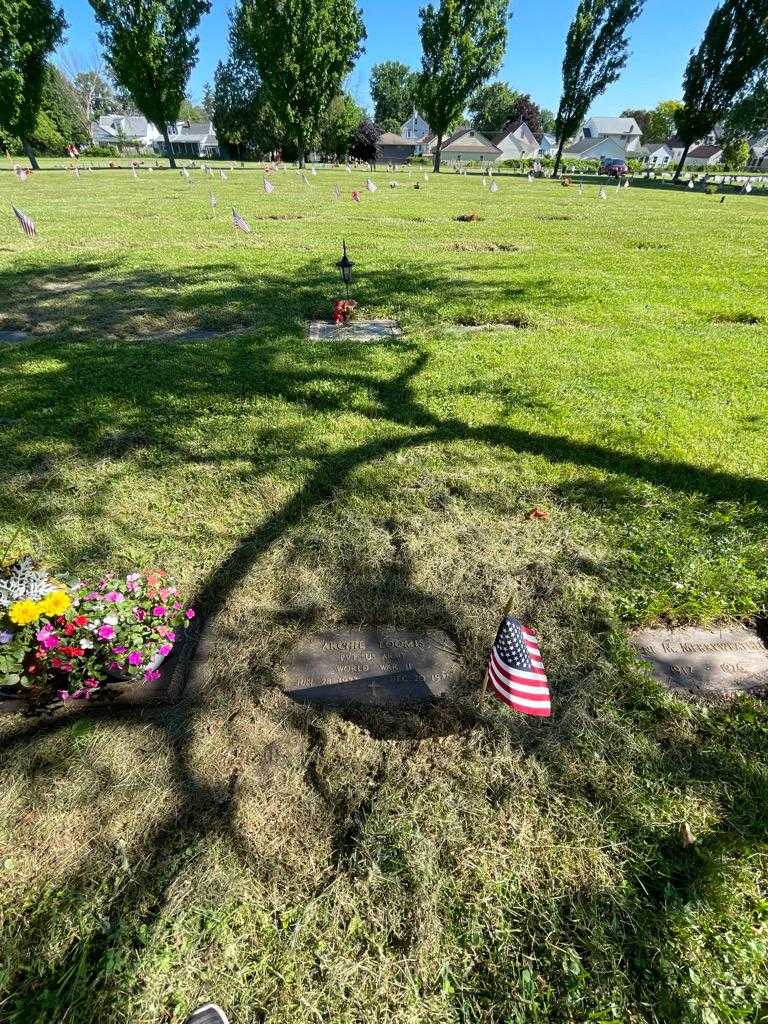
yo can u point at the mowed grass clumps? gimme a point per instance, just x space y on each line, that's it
468 864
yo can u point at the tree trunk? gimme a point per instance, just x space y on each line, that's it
438 154
30 155
676 176
558 158
169 149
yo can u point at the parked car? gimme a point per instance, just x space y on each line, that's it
613 167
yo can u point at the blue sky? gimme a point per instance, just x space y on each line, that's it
660 42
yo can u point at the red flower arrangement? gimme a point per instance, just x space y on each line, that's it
343 310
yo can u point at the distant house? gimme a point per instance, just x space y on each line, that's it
704 156
594 149
469 144
623 130
124 129
516 142
758 152
676 144
547 144
391 148
190 138
415 128
656 154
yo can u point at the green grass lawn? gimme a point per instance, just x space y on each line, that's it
470 865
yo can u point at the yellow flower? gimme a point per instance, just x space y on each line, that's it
23 612
55 603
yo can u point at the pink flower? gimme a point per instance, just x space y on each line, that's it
140 614
91 684
151 675
119 650
176 606
62 694
164 649
158 611
134 658
49 641
131 586
105 632
114 596
165 593
43 632
190 613
93 596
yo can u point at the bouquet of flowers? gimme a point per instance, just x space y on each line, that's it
69 640
343 310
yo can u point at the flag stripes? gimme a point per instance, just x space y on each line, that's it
516 670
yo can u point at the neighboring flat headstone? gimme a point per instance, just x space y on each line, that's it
382 667
708 662
356 330
13 335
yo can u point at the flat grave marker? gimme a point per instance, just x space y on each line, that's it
379 667
707 662
356 330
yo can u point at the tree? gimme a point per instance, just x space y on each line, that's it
490 108
547 120
243 119
207 103
749 115
94 94
524 109
462 43
393 90
189 111
595 53
29 30
641 117
60 116
364 141
338 125
302 50
661 121
735 154
733 51
151 48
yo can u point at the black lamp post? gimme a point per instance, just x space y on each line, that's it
345 265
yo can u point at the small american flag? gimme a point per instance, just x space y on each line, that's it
27 224
269 188
222 175
305 179
516 671
240 224
336 192
494 187
185 173
355 197
314 171
133 169
370 185
77 172
212 199
349 169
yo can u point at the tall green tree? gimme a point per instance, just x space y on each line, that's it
244 120
661 121
303 50
151 47
735 154
207 102
524 109
596 50
94 94
338 125
393 90
732 53
29 31
490 108
749 115
462 44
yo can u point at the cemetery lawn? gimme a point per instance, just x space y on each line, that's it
165 409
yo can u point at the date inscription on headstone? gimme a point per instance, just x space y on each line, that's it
372 666
714 662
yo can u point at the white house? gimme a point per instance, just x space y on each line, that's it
758 152
469 144
704 156
415 128
191 138
656 154
624 130
116 129
547 144
516 142
594 149
676 144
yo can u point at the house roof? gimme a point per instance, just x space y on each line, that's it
675 142
193 127
129 124
584 146
468 140
615 125
542 137
704 152
392 139
654 147
201 137
526 139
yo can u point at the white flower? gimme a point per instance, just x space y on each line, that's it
111 620
86 642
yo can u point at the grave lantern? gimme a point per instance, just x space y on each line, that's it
345 265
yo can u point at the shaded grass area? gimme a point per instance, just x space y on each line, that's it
466 865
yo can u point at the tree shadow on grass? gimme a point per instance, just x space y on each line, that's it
275 364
